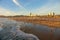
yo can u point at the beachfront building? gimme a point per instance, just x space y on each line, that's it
32 14
51 14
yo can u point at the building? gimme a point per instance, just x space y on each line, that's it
32 14
51 14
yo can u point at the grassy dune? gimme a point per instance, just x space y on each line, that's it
43 20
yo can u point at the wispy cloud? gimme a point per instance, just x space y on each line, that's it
22 8
15 1
51 6
19 4
6 12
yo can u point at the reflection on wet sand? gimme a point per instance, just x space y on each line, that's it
41 31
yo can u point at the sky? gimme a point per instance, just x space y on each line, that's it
24 7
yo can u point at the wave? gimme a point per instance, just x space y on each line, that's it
10 30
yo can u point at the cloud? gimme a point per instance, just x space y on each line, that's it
15 1
18 4
51 6
6 12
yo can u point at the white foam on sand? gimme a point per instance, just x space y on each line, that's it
10 30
